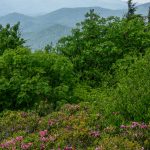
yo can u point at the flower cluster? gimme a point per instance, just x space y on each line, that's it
43 133
135 125
19 138
12 144
95 134
26 146
8 144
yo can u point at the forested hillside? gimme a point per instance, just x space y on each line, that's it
88 92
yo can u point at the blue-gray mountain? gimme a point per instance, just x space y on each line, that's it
41 30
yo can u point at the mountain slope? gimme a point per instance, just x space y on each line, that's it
47 28
70 16
38 40
26 21
143 9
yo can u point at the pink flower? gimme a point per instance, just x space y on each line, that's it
43 133
12 142
7 144
68 148
19 138
143 126
50 122
123 126
135 124
2 145
44 139
95 133
26 146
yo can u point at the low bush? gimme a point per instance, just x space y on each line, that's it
73 127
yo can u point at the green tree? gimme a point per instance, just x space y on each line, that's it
131 96
129 36
10 37
149 15
131 9
49 48
97 43
88 49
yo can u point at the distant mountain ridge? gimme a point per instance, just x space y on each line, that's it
41 30
37 40
143 9
70 16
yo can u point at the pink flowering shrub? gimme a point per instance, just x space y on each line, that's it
26 146
136 131
19 138
43 133
74 127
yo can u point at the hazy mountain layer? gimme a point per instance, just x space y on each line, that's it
41 30
39 39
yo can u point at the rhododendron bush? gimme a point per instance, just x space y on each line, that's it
74 127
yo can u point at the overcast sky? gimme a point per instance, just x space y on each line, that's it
140 1
35 7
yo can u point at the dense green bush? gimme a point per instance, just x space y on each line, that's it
132 94
27 78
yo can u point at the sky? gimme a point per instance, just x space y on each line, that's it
37 7
141 1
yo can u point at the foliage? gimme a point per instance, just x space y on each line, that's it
114 143
97 43
88 51
132 92
10 37
149 15
131 9
31 77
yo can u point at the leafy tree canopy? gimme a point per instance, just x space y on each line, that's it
10 37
